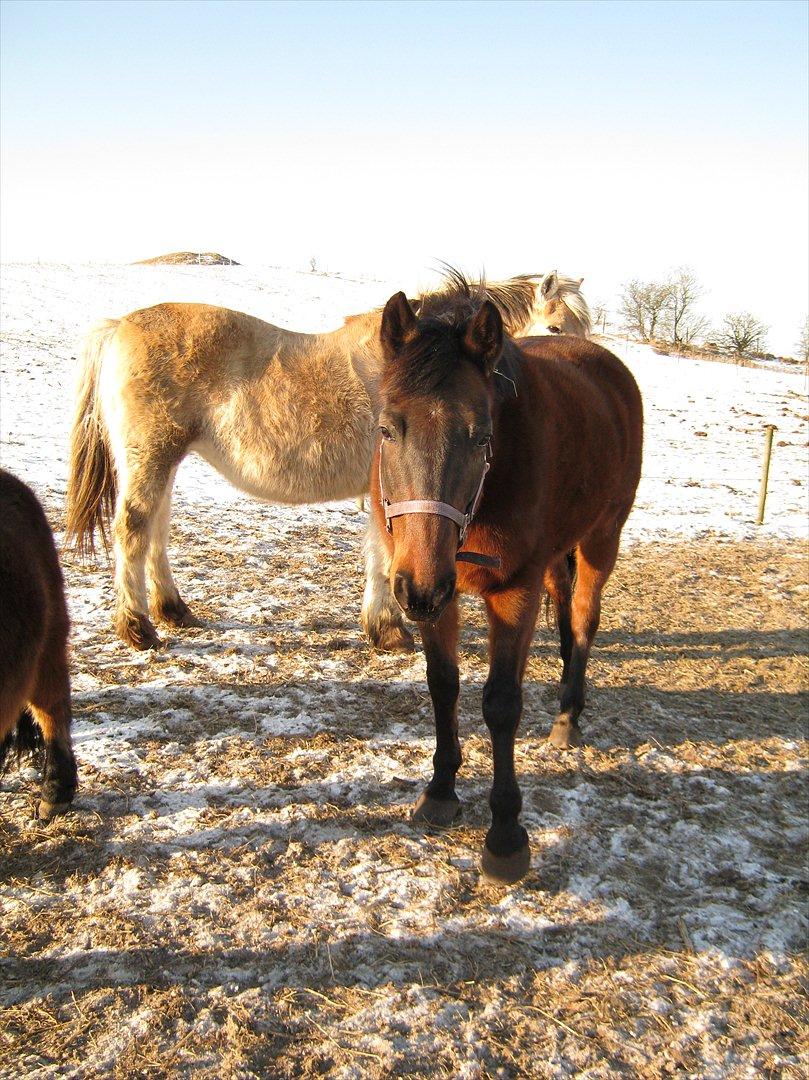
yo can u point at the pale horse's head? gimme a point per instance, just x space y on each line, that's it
559 307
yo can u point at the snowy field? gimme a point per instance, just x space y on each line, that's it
239 891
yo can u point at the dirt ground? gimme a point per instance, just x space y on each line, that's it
239 892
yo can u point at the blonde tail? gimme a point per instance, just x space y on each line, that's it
91 485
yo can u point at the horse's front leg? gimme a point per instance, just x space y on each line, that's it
438 804
382 618
512 617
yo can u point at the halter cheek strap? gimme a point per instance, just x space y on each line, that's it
442 509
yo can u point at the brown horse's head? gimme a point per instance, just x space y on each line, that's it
436 429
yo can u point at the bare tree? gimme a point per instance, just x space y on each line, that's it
681 321
642 304
598 309
741 332
803 342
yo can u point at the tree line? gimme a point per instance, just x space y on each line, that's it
666 311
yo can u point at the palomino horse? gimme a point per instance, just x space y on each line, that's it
34 680
286 417
516 453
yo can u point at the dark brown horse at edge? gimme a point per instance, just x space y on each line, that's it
34 626
517 453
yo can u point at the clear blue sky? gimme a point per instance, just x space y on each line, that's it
608 139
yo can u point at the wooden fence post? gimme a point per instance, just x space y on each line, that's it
765 472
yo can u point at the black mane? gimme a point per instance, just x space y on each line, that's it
436 348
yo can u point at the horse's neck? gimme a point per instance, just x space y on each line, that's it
359 342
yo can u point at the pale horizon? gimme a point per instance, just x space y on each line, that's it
610 141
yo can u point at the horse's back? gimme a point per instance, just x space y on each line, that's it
33 611
195 341
585 373
590 411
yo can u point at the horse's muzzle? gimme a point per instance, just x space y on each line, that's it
419 603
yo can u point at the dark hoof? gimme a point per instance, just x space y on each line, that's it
48 810
565 735
177 614
137 631
506 869
391 638
440 812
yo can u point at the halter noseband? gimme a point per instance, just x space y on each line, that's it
442 509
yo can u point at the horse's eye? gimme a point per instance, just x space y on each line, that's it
484 440
555 329
385 433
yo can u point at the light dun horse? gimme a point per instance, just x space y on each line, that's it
286 417
516 453
34 680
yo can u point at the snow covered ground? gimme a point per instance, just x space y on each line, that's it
704 421
239 891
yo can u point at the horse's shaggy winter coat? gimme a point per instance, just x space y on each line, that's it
34 626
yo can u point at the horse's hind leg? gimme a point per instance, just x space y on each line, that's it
142 485
167 604
439 805
595 558
49 704
558 585
382 617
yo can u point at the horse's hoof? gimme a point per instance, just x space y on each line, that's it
439 812
564 734
506 869
178 614
393 638
47 810
137 631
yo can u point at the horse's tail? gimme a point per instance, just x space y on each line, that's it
22 740
92 484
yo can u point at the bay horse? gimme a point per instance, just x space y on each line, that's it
286 417
495 459
34 626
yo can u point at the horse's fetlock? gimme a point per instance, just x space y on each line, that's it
504 840
136 630
447 761
388 635
175 612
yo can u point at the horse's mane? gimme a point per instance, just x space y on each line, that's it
434 353
514 298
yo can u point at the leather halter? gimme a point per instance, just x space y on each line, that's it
442 509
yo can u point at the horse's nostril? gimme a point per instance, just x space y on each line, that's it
401 589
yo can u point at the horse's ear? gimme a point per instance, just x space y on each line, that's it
549 284
483 337
398 323
581 279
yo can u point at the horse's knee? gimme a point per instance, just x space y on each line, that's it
444 682
502 704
